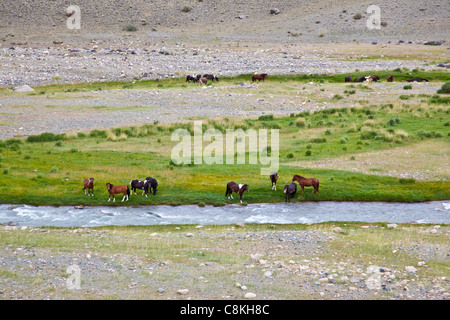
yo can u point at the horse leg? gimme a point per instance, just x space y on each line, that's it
303 189
240 198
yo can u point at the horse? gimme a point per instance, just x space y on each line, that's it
89 186
203 81
362 79
290 190
418 80
307 182
274 178
137 184
150 183
192 78
210 77
259 77
374 78
112 190
390 79
234 187
348 79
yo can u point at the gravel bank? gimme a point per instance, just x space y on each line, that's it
226 265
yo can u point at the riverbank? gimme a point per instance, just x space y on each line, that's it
343 261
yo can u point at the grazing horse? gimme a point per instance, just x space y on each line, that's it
390 79
348 79
290 190
307 182
203 81
150 183
137 184
192 78
374 78
234 187
89 186
274 178
259 77
210 77
362 79
417 80
112 190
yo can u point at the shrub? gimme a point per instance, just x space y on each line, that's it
407 87
445 88
318 140
46 137
266 117
290 155
186 9
130 27
98 134
300 122
308 153
357 16
406 181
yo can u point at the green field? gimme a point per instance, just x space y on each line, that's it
49 169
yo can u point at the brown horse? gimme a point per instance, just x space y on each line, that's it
307 182
274 178
237 188
112 190
259 77
390 79
203 81
89 186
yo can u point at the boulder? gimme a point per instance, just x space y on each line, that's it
24 88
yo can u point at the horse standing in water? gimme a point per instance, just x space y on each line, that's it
274 178
89 186
150 183
307 182
236 188
112 190
290 190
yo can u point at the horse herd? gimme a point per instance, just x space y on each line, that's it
289 190
375 78
203 80
150 184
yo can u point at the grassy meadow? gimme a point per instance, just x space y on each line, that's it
49 169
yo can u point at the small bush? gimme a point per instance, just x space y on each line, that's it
357 16
308 153
290 155
300 122
445 89
407 87
186 9
46 137
266 117
406 181
318 140
130 28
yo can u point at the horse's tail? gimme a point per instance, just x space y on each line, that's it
128 191
226 192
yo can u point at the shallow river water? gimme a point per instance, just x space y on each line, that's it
280 213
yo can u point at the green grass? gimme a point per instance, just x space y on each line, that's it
180 82
49 169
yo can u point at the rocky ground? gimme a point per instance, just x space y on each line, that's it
227 265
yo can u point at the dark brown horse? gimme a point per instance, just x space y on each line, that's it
259 77
307 182
390 79
274 178
112 190
89 186
290 190
236 188
137 184
203 81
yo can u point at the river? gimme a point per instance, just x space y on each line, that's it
281 213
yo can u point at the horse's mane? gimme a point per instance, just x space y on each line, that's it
296 175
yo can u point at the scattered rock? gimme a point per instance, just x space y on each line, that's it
274 11
183 291
24 88
250 295
411 269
